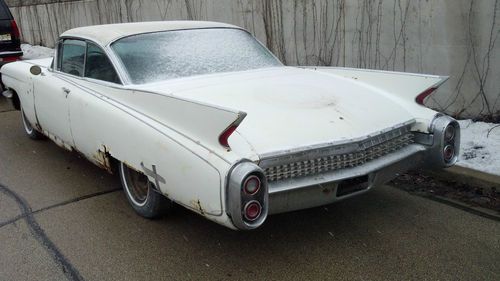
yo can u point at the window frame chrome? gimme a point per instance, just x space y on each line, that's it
59 59
56 63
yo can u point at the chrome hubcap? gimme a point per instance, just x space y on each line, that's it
137 185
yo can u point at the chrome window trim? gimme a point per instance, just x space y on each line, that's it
181 29
107 56
105 51
58 59
117 62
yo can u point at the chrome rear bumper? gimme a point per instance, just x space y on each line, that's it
321 190
295 193
320 175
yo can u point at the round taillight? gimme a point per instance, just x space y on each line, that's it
251 185
449 133
448 152
252 210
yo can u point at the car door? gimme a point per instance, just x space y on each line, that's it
53 88
84 105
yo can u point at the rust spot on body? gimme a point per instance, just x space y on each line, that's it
103 158
197 206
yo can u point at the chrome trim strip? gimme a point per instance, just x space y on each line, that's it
384 72
172 30
8 53
427 139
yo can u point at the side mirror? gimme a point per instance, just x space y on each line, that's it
35 70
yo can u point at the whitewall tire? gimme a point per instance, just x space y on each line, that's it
141 193
28 128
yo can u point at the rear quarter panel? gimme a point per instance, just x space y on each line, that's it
193 175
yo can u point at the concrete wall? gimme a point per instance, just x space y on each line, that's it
445 37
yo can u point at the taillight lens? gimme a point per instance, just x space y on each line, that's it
252 185
9 59
15 30
448 153
223 138
421 98
252 210
449 133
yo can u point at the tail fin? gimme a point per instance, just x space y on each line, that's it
409 86
204 123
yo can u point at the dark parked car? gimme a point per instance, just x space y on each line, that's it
10 43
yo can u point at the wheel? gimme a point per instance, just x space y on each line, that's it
142 195
30 131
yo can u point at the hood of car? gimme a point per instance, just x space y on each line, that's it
289 108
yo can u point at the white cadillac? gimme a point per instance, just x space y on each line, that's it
201 114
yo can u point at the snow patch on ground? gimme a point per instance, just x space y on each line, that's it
31 52
480 146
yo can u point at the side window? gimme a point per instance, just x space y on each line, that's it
72 57
98 66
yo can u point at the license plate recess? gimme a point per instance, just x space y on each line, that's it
352 185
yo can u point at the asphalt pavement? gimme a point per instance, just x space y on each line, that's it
61 218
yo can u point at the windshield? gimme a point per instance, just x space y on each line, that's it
153 57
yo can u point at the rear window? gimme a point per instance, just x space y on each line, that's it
4 11
158 56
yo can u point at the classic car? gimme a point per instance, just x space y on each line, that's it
202 115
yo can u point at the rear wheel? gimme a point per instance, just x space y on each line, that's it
28 128
141 193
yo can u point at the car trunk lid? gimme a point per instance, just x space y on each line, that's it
288 108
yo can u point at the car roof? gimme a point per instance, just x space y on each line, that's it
107 33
